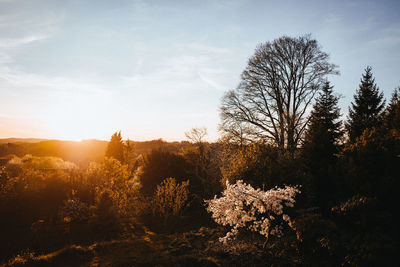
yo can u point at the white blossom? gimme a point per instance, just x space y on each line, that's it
243 207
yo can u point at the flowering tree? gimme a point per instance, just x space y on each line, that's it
243 207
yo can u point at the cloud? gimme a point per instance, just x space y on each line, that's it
187 68
11 43
209 78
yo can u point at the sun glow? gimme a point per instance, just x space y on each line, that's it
79 117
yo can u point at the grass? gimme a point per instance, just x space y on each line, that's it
141 248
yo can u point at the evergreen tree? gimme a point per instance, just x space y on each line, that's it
392 114
322 143
115 148
322 138
367 110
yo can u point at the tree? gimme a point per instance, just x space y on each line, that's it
115 148
203 157
392 113
276 89
263 166
159 164
196 135
367 110
323 135
322 142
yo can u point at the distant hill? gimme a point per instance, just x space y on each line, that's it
21 140
79 152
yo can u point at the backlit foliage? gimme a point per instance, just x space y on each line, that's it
74 210
43 163
110 174
170 198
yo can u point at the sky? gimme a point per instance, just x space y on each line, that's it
77 70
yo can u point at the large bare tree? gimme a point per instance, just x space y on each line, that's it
275 92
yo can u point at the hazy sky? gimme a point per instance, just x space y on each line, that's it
155 69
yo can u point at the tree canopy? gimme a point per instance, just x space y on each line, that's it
275 91
115 148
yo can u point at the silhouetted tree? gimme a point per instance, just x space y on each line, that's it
196 135
276 89
205 163
367 109
322 142
130 155
392 113
115 148
159 165
323 136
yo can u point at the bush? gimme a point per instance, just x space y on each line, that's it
114 177
243 207
74 210
263 166
105 213
170 198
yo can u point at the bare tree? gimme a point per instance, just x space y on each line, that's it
275 92
196 135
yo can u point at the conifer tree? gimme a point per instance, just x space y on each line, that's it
367 109
115 148
321 144
392 113
322 138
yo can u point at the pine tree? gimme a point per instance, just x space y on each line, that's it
367 110
322 138
321 144
115 148
392 113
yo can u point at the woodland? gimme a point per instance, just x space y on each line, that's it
293 181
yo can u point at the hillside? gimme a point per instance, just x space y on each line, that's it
21 140
81 153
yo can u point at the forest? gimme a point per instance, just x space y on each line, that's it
291 182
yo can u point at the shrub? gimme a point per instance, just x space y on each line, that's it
105 211
74 210
114 177
263 166
243 207
170 198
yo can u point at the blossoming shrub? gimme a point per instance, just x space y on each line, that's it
243 207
